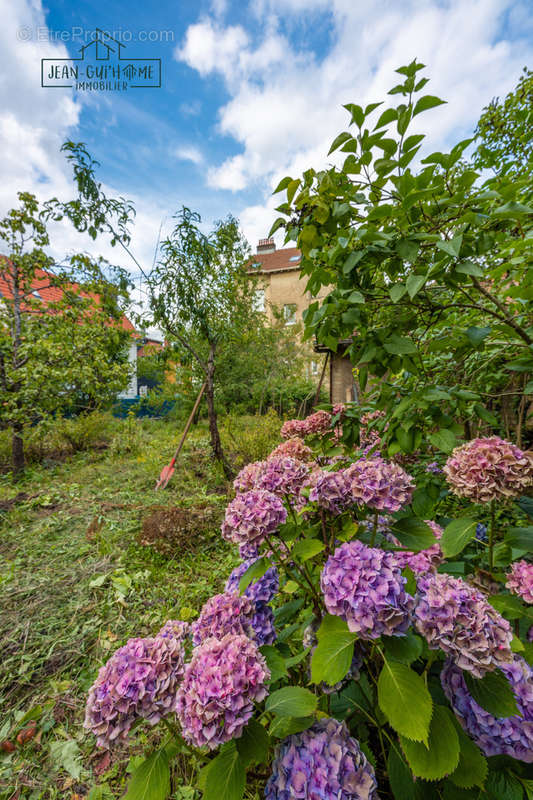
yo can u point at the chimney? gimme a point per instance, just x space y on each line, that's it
266 246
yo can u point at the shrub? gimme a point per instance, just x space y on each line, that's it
250 439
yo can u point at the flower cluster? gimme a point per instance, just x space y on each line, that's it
263 625
252 516
140 680
364 586
332 491
380 484
247 477
369 437
293 448
456 617
425 560
259 591
222 614
317 423
520 580
175 629
222 681
433 468
282 476
512 736
321 762
488 469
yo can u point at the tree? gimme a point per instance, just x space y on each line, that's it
202 296
431 267
60 324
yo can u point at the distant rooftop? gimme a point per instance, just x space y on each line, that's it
269 259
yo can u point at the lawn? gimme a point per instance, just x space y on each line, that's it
76 584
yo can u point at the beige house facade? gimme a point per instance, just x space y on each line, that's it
281 292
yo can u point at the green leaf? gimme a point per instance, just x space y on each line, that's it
427 102
352 260
389 115
292 188
306 549
400 778
254 744
422 504
292 701
441 756
397 292
67 755
493 693
101 792
476 335
414 534
340 139
451 246
521 538
151 779
414 283
358 115
331 624
281 727
468 267
444 440
503 785
332 657
511 607
284 182
275 662
404 699
399 345
472 768
225 775
457 535
405 649
253 573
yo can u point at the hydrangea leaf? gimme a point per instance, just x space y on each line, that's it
493 692
509 606
354 697
275 662
331 624
472 768
413 533
444 440
400 778
502 785
441 756
292 701
521 538
457 535
332 657
307 548
225 775
405 649
404 699
253 573
253 744
151 779
281 727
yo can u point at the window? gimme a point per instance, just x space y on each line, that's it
289 313
314 367
256 264
294 258
259 300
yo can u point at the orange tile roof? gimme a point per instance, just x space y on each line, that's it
277 260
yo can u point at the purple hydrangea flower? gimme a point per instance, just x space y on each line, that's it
248 551
488 469
247 477
520 580
364 586
456 617
434 468
263 625
282 476
481 532
259 591
511 736
323 763
222 614
425 560
332 491
380 484
140 680
252 516
175 629
221 683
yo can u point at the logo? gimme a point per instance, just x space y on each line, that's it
102 66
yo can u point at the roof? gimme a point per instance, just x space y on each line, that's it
52 294
288 258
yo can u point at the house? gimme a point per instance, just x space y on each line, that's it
281 289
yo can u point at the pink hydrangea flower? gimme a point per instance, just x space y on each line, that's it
318 423
140 680
455 617
221 683
488 469
293 448
222 614
425 560
369 437
520 580
252 516
364 586
380 484
332 491
282 476
247 477
175 629
292 428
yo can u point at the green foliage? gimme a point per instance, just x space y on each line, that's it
440 756
151 779
493 693
291 701
224 776
405 701
333 656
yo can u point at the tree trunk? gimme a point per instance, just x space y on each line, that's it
17 450
216 444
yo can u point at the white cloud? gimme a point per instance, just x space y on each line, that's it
189 153
285 102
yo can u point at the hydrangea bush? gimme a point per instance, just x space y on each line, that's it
362 647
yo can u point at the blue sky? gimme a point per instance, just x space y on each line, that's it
251 92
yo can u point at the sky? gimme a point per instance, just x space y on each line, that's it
251 92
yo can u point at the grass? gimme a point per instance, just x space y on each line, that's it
76 584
